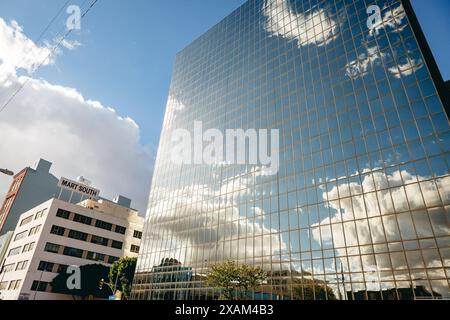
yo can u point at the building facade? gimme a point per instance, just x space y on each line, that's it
57 234
30 187
360 205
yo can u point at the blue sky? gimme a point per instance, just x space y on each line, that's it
125 63
128 48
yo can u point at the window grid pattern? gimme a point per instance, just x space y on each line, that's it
360 208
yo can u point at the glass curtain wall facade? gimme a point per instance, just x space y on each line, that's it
360 206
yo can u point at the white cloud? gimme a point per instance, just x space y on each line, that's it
406 69
18 52
197 225
374 57
315 27
382 215
80 136
360 67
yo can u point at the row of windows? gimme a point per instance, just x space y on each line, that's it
22 265
88 221
13 285
40 286
82 236
75 252
17 250
38 215
27 233
52 267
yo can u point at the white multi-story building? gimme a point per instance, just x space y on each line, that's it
57 234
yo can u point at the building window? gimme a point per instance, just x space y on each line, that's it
28 247
8 268
103 225
134 248
34 230
137 234
3 285
112 259
62 268
14 285
99 240
40 214
120 229
46 266
117 244
63 214
73 252
59 231
78 235
51 247
14 251
95 256
82 219
22 265
26 220
21 235
40 286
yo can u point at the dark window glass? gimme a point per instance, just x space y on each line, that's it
46 266
120 229
51 247
62 268
134 248
59 231
117 244
82 219
39 286
63 214
103 225
99 240
112 259
73 252
78 235
95 256
137 234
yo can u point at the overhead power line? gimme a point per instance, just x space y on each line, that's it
51 53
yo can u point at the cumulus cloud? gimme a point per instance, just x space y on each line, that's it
80 136
312 28
17 51
374 57
382 215
198 225
406 69
393 20
365 61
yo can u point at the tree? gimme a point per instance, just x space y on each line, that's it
91 276
230 277
123 271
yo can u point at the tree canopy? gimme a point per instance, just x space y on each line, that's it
123 270
233 278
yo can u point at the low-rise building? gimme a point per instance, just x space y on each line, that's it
57 234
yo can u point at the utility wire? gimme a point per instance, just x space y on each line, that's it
52 52
38 40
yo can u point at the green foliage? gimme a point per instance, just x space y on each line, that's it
232 277
123 270
91 276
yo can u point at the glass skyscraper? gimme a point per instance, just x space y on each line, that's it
360 205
